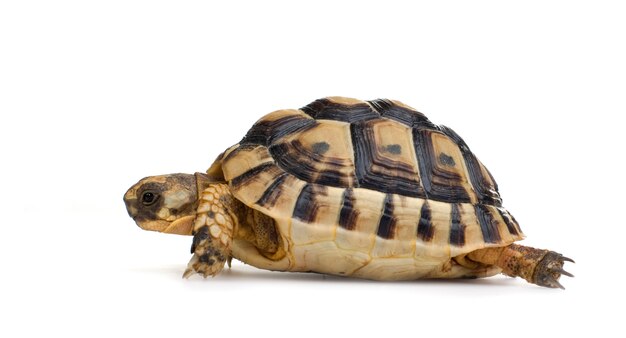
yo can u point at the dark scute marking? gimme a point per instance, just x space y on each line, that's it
457 229
348 214
394 149
411 118
211 214
299 161
244 178
306 206
314 107
271 194
488 225
509 221
201 235
516 223
425 229
292 160
446 159
486 192
333 178
439 184
325 109
266 132
387 223
493 180
366 154
320 147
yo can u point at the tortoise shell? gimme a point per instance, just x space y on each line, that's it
367 180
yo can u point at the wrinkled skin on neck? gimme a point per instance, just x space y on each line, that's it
166 203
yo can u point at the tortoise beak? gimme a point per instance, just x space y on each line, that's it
130 199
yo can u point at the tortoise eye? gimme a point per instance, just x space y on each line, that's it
148 198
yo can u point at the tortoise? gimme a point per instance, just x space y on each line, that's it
365 189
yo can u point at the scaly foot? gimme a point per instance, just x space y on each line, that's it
213 231
550 269
209 255
538 266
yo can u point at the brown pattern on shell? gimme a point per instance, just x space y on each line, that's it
251 186
348 215
307 204
340 109
387 223
457 227
386 158
441 167
397 239
361 209
280 196
271 194
399 112
315 214
425 229
510 222
483 184
243 158
488 224
277 125
321 155
438 165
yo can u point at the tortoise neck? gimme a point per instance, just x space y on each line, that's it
202 182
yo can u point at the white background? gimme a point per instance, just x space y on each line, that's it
95 95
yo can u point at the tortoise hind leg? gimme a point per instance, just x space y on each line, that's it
537 266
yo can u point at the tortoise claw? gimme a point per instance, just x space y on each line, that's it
188 273
207 263
190 270
562 272
550 269
556 284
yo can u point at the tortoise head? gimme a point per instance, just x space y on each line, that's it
165 203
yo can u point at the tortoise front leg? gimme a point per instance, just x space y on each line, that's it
537 266
213 233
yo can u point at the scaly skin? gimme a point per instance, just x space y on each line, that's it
537 266
213 232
